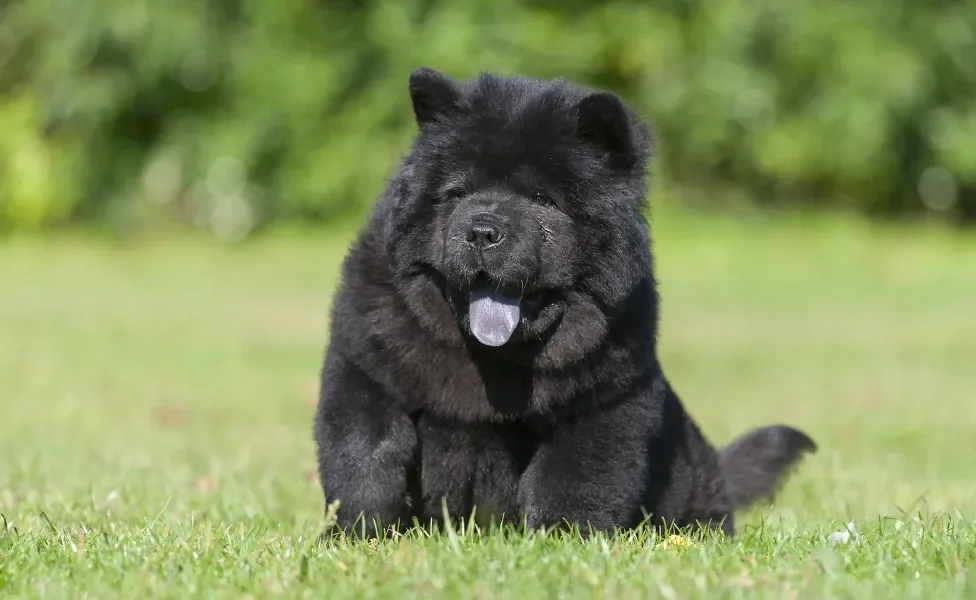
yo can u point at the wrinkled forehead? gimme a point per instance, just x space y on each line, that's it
498 147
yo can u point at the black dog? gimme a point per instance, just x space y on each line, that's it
493 340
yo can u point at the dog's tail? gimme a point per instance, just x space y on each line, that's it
756 464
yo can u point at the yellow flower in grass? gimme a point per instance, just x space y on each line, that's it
676 542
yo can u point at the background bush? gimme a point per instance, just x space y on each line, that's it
231 114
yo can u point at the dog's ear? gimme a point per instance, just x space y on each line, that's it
433 95
603 122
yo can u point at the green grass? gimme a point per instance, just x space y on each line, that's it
156 405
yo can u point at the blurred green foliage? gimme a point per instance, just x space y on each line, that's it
231 114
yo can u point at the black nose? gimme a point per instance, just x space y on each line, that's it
484 235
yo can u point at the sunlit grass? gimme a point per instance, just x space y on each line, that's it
156 403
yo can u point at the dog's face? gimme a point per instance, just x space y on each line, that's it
515 195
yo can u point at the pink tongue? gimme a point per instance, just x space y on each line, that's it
493 317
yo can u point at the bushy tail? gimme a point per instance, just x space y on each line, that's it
756 464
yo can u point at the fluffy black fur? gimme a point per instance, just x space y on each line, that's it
572 420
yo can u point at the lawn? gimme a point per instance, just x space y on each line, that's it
156 403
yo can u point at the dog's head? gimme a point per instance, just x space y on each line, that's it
519 198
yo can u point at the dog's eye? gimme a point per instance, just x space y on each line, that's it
453 194
541 198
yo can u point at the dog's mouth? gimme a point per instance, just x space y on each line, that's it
493 316
495 312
